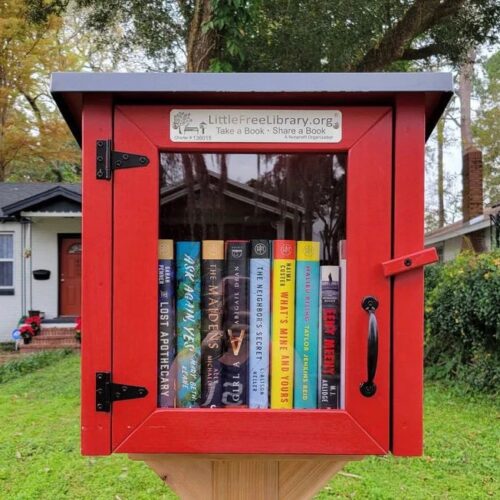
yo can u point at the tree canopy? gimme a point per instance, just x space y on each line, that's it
296 35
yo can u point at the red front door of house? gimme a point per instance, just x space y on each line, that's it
70 275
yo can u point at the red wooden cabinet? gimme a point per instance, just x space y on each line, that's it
385 120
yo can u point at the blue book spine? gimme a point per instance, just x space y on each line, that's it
307 325
188 278
166 324
260 282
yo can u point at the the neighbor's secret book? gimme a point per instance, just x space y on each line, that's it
283 323
188 280
329 387
306 325
236 325
212 327
166 324
260 283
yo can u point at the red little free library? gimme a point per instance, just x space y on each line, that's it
253 258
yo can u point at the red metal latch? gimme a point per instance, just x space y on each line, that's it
410 261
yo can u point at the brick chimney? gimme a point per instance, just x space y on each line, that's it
472 195
472 179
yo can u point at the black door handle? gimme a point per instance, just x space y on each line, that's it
369 388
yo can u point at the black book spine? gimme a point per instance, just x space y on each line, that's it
236 325
329 396
212 327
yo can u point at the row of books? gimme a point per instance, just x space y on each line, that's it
248 324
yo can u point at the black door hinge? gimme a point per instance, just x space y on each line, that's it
106 392
108 160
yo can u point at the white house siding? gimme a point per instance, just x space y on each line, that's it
452 248
10 305
45 255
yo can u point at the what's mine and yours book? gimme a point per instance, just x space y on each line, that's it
188 280
260 317
212 327
283 323
236 325
166 324
306 325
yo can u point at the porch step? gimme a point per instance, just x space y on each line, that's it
52 338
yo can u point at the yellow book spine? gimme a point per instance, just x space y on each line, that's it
283 324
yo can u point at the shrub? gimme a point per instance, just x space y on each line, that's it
16 368
463 321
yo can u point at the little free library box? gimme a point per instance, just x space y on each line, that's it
253 258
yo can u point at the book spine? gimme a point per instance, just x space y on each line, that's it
343 316
329 394
212 327
260 281
306 325
283 323
166 324
235 357
188 324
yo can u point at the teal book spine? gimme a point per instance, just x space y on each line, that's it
307 325
188 307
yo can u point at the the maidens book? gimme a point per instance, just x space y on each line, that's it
236 325
212 327
306 325
283 323
166 324
188 280
260 317
329 388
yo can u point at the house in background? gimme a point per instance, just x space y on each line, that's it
40 252
480 228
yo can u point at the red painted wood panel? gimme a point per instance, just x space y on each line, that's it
96 275
368 238
137 424
408 298
250 431
135 233
154 122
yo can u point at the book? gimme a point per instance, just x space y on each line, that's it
283 323
306 325
329 389
188 322
166 324
212 327
236 311
343 311
260 282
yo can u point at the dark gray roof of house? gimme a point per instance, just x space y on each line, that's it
14 194
68 90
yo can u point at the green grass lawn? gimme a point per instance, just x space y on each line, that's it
39 450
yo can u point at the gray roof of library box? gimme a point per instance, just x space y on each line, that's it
266 89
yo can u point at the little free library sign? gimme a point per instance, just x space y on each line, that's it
255 125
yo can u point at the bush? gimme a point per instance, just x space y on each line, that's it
16 368
463 321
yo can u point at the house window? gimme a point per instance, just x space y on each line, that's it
6 262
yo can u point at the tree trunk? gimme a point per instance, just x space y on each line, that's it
201 44
440 179
465 76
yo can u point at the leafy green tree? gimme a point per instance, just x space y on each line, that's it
33 137
486 127
295 35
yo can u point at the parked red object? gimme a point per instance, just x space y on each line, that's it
385 119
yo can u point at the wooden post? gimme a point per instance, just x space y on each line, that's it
245 477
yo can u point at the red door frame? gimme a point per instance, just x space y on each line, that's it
138 425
